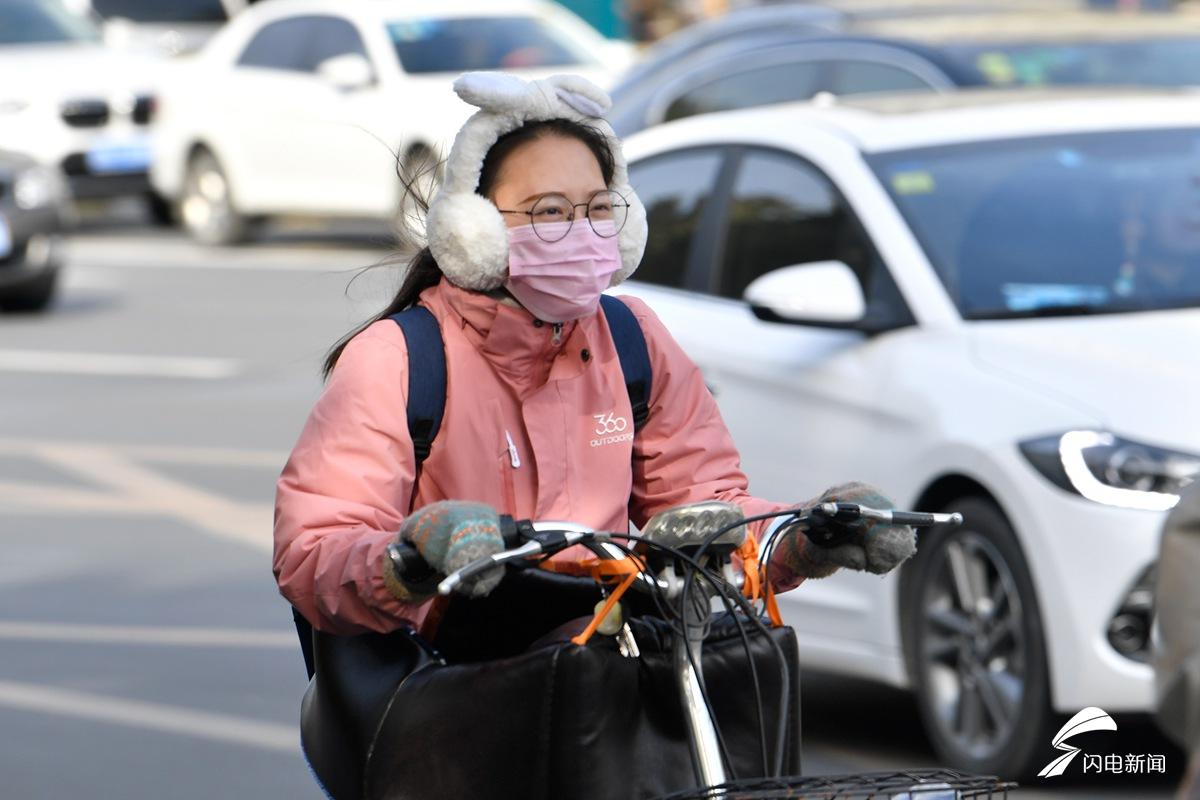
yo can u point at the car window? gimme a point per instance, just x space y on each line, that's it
464 44
676 190
784 211
282 44
778 83
858 77
331 37
29 22
159 11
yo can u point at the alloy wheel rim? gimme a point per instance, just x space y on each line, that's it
207 202
974 652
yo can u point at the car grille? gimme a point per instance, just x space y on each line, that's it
85 113
143 109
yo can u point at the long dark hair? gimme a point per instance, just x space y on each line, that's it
422 270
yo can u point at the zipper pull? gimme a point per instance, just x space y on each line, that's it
512 451
557 333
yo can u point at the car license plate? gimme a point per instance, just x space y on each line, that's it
5 238
116 156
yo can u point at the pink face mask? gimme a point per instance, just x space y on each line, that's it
563 280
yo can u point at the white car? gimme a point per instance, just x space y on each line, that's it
304 107
982 302
166 27
77 104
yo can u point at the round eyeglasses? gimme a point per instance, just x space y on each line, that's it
605 210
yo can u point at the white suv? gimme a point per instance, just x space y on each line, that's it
979 302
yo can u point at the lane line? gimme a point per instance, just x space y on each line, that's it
148 635
245 523
115 364
226 728
165 454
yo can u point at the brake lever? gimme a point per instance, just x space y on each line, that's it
542 539
844 514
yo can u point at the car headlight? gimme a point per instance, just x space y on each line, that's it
1111 470
36 187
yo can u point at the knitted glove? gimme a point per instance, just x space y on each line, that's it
449 535
871 545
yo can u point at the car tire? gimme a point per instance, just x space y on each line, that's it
207 207
975 646
31 296
159 209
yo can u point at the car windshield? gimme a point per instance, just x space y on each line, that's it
1079 224
463 44
42 22
1141 62
162 10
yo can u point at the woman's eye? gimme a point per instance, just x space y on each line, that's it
548 212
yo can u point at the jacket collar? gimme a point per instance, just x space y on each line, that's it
522 349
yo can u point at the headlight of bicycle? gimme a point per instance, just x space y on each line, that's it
1111 470
36 187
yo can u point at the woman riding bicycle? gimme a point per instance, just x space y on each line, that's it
534 220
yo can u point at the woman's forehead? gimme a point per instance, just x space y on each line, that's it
550 164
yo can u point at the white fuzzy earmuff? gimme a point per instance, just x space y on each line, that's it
466 233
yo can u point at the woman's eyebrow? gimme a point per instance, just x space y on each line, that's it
560 193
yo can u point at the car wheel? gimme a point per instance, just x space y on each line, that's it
207 207
33 295
975 646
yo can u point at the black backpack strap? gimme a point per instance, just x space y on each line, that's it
630 342
426 376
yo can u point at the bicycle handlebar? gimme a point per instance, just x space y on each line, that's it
525 538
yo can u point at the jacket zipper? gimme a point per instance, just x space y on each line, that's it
512 451
557 333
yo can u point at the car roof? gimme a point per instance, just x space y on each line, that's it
1046 25
882 123
404 9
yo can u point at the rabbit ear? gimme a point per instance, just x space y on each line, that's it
581 94
493 91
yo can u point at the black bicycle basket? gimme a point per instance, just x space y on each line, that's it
920 784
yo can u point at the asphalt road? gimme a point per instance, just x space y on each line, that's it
143 422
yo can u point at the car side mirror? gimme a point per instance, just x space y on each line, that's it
819 293
348 72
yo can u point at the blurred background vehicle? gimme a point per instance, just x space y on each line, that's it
304 107
165 27
779 53
976 300
1177 634
77 104
34 212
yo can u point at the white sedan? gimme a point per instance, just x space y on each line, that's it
986 303
69 102
304 107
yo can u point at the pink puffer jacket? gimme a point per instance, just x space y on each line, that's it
537 424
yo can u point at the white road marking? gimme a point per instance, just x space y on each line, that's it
163 454
114 364
147 491
168 254
226 728
148 635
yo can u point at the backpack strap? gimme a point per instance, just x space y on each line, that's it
426 376
630 342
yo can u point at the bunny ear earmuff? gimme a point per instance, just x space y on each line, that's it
466 233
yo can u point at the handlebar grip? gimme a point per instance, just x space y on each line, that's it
410 567
919 519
